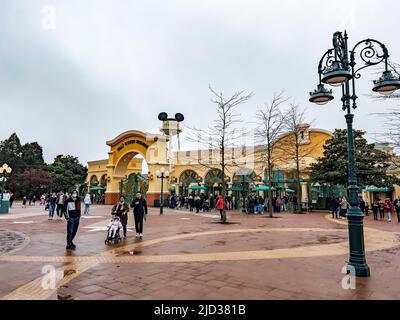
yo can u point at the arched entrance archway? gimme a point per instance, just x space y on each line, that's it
122 162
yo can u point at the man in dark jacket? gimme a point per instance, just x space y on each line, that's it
334 205
139 206
72 208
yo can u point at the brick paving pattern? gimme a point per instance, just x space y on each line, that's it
188 256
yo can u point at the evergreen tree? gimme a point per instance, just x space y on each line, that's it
32 155
67 172
11 153
371 164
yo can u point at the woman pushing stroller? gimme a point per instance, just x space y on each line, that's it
121 210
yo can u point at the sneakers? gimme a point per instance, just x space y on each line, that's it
137 235
70 247
141 236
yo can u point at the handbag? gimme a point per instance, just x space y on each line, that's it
66 214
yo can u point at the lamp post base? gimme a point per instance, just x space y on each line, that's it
361 270
357 259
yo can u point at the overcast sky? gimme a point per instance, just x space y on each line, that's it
104 67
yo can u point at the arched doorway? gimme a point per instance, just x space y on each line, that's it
94 181
187 178
103 181
242 182
136 180
213 181
121 163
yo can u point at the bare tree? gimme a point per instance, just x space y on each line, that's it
392 116
271 125
391 125
294 120
223 135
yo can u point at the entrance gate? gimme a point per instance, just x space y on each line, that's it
135 183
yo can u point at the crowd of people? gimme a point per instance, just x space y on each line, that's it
381 209
254 203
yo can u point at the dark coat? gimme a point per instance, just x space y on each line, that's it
73 213
139 206
121 211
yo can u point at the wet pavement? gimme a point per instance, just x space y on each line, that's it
190 256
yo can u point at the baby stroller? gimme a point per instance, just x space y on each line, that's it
113 228
206 206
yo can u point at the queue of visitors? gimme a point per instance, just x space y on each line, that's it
254 203
380 209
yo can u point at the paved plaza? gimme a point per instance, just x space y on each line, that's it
186 255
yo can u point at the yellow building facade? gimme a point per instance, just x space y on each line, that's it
200 167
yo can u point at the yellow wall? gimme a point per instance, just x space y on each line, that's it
153 148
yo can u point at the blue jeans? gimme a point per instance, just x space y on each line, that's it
72 228
139 216
87 208
52 208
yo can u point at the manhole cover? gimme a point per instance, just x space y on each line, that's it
11 241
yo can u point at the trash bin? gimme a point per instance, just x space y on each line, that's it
4 206
156 203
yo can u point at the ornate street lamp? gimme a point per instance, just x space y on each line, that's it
5 170
162 174
338 67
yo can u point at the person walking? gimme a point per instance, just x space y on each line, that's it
334 205
24 202
361 203
375 208
397 208
260 207
278 204
33 200
197 203
60 205
343 208
139 206
366 208
52 205
72 208
220 206
87 201
12 198
121 210
381 211
47 201
191 202
388 207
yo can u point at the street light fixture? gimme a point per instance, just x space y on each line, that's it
5 170
387 84
337 68
162 174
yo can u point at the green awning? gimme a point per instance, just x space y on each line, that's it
196 188
235 188
290 191
376 189
98 188
263 188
